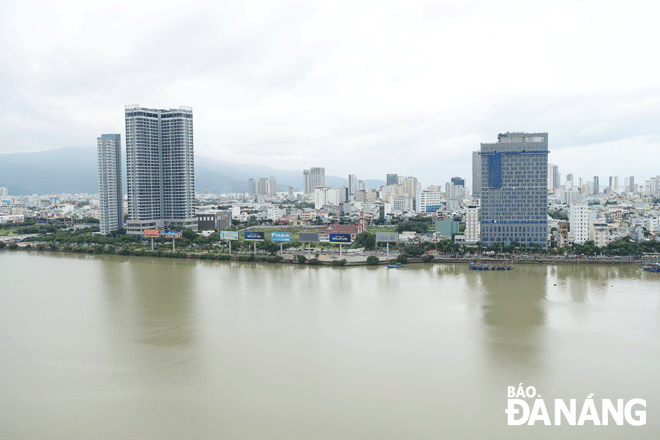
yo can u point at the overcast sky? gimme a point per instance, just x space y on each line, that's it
366 88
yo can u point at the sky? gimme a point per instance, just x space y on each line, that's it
365 88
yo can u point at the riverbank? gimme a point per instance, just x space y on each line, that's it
346 260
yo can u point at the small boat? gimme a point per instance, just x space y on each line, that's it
395 266
653 267
474 266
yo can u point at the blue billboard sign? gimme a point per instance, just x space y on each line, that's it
284 237
340 238
171 234
252 235
228 235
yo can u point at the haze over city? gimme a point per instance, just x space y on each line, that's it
411 89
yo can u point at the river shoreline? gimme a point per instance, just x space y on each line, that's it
352 260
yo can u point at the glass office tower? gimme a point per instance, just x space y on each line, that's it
514 189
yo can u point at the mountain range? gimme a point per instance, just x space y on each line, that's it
75 170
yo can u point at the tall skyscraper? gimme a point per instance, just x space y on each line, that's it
410 186
614 184
312 178
553 176
262 186
160 168
514 189
596 186
352 184
392 179
272 186
316 177
252 187
4 192
108 147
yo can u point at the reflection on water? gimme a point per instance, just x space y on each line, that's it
514 313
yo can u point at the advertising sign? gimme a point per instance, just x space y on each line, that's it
308 237
284 237
228 235
170 234
151 233
251 235
340 238
387 237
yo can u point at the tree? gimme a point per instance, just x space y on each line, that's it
417 227
373 261
414 250
188 234
269 246
365 240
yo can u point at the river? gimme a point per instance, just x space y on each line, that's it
110 347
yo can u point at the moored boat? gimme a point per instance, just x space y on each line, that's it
653 267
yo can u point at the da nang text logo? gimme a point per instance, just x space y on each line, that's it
590 411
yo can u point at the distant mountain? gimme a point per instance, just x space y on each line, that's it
74 170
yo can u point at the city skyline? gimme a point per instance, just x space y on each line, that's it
320 94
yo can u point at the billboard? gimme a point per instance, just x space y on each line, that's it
252 235
228 235
308 237
170 234
151 233
340 238
280 236
387 237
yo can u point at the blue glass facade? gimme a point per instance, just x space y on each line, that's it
514 193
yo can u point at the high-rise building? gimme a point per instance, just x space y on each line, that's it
579 221
315 178
392 179
476 174
272 186
472 214
111 210
458 181
262 186
306 187
362 186
252 187
4 192
614 184
596 187
514 189
352 184
410 186
553 176
160 168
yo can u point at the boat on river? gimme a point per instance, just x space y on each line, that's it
653 267
395 266
475 266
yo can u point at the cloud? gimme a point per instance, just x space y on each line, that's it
353 86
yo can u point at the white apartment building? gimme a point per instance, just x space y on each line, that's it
427 199
472 224
599 233
579 221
